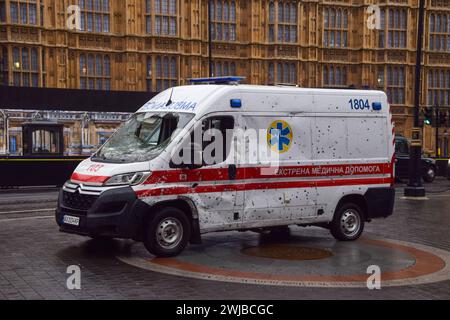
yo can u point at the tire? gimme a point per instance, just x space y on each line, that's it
167 233
429 175
348 222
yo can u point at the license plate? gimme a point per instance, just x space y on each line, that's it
74 221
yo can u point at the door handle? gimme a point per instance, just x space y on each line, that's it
232 171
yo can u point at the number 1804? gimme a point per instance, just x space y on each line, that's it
359 104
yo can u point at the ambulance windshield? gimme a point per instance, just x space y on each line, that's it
143 137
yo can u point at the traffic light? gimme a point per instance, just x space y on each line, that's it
428 115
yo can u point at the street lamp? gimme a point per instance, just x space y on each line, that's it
210 39
414 187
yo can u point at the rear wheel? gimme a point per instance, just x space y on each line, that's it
348 222
167 232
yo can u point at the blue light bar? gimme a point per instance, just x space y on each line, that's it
235 103
217 80
376 106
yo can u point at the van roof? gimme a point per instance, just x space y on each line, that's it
216 97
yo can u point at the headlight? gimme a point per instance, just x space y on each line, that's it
132 178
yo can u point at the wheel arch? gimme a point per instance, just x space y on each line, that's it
355 198
188 207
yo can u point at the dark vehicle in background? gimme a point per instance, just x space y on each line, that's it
429 168
448 170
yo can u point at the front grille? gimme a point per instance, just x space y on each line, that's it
78 201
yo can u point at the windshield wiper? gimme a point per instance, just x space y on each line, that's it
96 157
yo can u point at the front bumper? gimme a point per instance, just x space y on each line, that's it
114 213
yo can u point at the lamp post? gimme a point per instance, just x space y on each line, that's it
211 73
438 120
414 187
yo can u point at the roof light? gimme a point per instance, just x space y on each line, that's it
235 103
217 80
376 106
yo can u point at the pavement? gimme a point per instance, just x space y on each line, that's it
34 256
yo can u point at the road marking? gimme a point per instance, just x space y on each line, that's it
26 218
431 265
27 211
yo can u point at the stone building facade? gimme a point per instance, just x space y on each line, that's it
149 45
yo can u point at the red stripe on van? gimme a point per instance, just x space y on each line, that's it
88 178
260 186
245 173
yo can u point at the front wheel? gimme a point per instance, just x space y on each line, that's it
167 232
348 222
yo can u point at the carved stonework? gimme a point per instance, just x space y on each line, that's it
224 49
439 58
396 56
335 55
3 33
148 44
72 41
287 51
25 34
271 52
166 44
397 110
440 4
117 44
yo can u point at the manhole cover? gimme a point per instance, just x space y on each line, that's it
286 252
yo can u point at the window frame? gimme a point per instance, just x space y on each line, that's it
90 13
282 26
23 7
26 66
89 79
224 22
439 35
334 76
394 28
335 26
160 18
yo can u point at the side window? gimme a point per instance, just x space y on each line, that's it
208 144
217 135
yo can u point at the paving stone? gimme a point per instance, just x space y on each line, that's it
34 262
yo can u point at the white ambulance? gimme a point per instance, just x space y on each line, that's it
224 156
